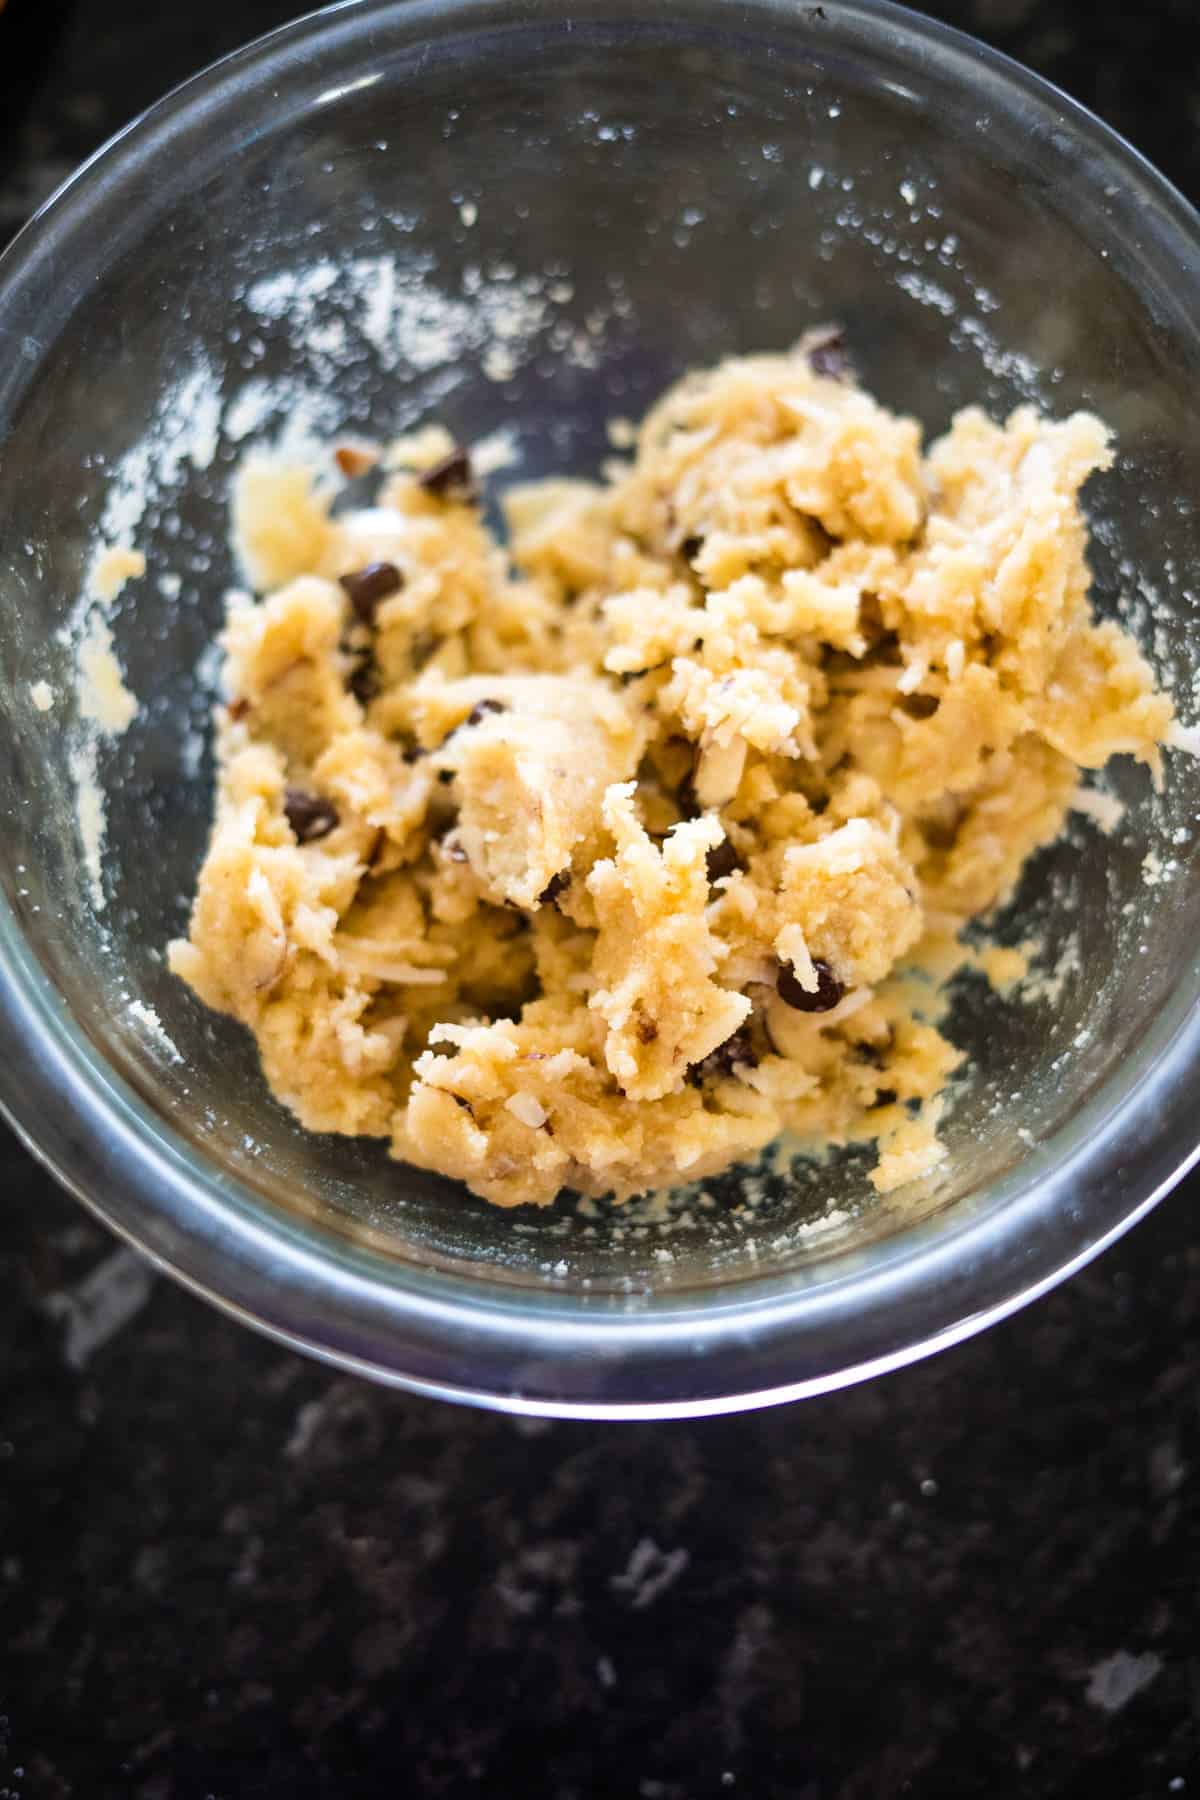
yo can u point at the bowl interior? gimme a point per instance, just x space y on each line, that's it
469 215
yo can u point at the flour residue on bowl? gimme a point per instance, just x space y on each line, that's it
402 316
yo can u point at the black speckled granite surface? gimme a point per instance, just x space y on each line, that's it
226 1573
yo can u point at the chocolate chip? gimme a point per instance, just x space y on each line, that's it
455 851
725 1058
826 352
829 990
482 708
920 706
369 586
885 1097
450 479
310 816
476 716
647 1031
445 776
557 884
691 548
363 680
722 860
238 708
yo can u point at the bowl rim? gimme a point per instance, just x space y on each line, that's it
759 1342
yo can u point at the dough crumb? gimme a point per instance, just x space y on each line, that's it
113 567
602 859
103 697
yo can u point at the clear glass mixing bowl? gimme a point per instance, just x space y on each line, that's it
517 215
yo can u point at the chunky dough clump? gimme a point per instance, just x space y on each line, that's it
589 864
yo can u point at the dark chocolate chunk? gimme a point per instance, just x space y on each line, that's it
412 753
722 860
482 708
920 706
369 586
557 884
450 479
238 708
829 990
826 352
446 776
363 680
455 852
885 1097
310 816
647 1031
724 1059
691 547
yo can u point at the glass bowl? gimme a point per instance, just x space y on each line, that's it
531 218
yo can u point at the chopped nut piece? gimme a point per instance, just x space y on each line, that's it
355 460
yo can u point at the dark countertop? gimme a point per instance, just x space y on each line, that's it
225 1572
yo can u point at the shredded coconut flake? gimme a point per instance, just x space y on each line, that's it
528 1109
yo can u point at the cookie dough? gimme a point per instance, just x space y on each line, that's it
591 862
